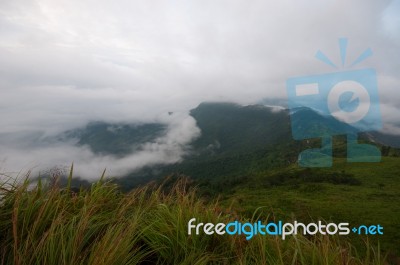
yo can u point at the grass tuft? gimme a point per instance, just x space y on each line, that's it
47 224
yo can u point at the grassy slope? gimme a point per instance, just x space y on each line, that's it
49 225
375 200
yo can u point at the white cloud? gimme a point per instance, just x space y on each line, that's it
64 63
30 155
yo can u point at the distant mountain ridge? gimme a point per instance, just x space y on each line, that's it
239 128
247 158
116 139
234 139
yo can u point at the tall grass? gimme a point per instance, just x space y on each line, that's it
48 224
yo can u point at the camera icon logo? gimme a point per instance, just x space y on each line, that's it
337 103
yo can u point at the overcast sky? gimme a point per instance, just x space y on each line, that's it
65 62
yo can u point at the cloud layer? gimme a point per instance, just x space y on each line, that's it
64 63
33 153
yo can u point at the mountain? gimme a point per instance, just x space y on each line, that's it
228 128
247 158
235 140
386 139
116 139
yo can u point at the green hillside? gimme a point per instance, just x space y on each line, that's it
230 128
46 224
247 158
240 140
360 193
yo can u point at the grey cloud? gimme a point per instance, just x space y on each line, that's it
64 63
166 149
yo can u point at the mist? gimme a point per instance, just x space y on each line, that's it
41 156
66 63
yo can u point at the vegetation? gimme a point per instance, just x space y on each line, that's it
47 224
117 139
358 193
239 174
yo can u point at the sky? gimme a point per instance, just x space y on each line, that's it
64 63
